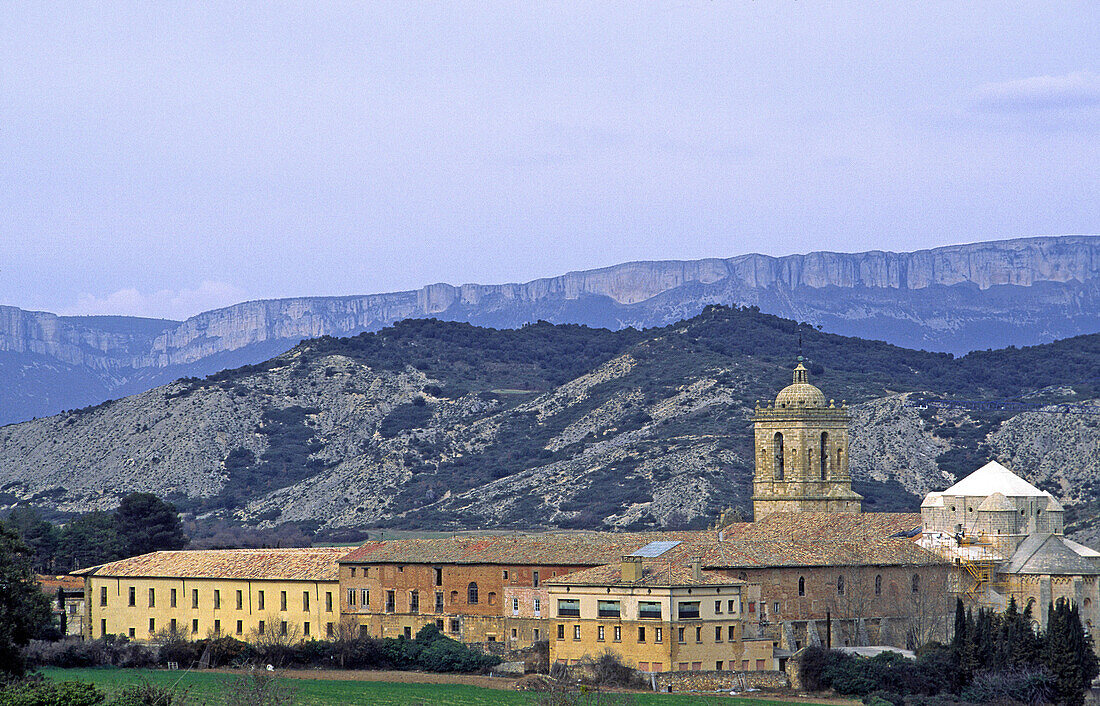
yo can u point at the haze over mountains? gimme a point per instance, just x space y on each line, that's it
954 299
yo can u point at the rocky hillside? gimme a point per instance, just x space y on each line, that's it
959 298
437 424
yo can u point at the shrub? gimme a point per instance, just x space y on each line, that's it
148 694
39 692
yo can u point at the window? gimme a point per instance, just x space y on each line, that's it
353 572
617 633
687 610
515 633
103 627
825 455
576 632
351 596
731 633
492 598
641 633
391 601
240 627
717 633
569 607
916 583
561 632
364 630
328 601
240 600
599 633
217 627
718 665
515 606
731 606
172 598
775 608
330 629
658 635
305 601
305 629
752 606
649 610
454 597
608 609
260 600
260 627
132 631
536 634
439 624
194 627
364 598
535 579
217 599
414 601
194 598
438 571
801 586
439 602
698 633
133 596
878 585
538 607
840 585
103 596
152 625
282 600
696 666
471 593
282 628
777 442
506 574
679 634
455 625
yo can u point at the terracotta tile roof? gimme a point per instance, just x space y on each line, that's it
654 573
50 584
564 549
816 526
309 564
741 554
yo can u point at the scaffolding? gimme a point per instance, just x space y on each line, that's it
977 580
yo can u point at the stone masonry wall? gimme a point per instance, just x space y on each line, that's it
719 681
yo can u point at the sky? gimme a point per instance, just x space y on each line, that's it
161 159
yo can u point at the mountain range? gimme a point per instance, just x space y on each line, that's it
953 299
433 424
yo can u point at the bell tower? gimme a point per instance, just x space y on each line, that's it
802 453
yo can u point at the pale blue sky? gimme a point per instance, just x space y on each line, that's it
164 158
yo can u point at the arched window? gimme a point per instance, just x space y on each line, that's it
492 598
839 465
778 443
824 458
801 586
454 597
471 593
916 583
878 585
840 585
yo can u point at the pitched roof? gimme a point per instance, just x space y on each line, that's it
308 564
654 573
828 526
755 554
1044 553
996 502
994 478
564 549
50 584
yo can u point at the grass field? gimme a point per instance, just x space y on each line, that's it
208 688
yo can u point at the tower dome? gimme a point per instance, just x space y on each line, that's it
800 393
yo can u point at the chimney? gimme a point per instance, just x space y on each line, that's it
632 569
697 569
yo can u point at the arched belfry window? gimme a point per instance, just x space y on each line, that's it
840 585
824 458
839 465
778 442
878 585
801 586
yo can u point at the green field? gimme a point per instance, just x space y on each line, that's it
208 688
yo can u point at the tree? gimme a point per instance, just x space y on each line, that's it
24 609
1068 654
88 540
145 523
38 534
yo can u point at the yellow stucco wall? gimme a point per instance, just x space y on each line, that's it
217 610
